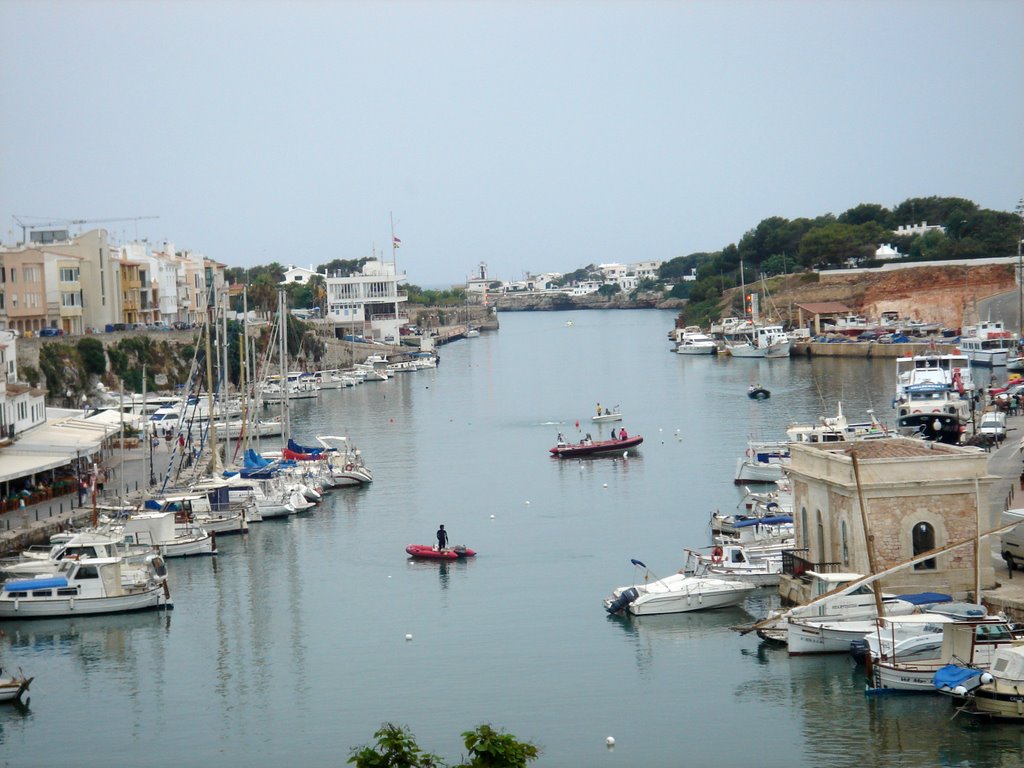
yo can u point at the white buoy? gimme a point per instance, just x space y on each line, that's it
492 517
610 741
527 503
605 485
408 637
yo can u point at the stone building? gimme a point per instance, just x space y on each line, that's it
917 496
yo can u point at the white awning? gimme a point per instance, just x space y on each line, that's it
15 465
76 436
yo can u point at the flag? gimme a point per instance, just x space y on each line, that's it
397 242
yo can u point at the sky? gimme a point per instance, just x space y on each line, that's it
531 136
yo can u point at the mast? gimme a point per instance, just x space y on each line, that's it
225 378
215 465
121 470
869 539
282 343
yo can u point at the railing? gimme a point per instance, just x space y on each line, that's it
795 565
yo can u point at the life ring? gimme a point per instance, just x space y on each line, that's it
716 556
917 410
349 467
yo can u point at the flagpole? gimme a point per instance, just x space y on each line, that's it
394 264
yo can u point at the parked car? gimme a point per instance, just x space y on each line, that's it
51 331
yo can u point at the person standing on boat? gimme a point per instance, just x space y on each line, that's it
622 434
598 409
442 538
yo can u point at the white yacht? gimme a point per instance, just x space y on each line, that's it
692 341
989 344
677 593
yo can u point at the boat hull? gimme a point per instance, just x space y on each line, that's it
427 552
12 688
598 447
17 608
604 418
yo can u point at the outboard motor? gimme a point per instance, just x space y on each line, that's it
460 549
627 597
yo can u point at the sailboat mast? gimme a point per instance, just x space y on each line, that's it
225 377
215 465
869 539
283 347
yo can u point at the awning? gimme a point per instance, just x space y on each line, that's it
15 465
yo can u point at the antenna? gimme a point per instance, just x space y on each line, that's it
25 226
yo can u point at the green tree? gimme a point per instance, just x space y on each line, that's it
395 748
94 359
609 289
493 749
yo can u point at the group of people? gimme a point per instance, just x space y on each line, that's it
622 435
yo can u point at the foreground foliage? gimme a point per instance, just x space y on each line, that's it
397 748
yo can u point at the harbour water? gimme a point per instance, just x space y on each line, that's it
289 648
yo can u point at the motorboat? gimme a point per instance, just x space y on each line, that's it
911 664
988 344
757 392
590 447
607 415
678 593
85 544
735 563
691 341
90 587
834 429
161 531
834 633
13 686
951 370
933 411
995 693
427 552
762 462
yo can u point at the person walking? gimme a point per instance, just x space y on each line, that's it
442 538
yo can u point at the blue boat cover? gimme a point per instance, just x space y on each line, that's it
27 585
153 504
924 598
952 675
770 520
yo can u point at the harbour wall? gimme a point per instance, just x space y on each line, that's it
867 349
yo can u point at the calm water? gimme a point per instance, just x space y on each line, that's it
289 647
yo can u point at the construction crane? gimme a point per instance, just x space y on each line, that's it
25 226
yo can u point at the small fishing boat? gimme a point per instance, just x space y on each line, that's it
607 414
427 552
589 447
13 686
757 392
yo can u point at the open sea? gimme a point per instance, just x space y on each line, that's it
289 648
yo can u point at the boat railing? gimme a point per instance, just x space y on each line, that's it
794 564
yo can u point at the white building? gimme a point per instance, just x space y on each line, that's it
886 252
918 229
645 270
368 304
299 275
585 287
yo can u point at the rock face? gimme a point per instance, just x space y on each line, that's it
931 294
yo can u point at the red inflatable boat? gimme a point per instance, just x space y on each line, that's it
448 553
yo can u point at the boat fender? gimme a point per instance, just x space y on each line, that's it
716 556
627 597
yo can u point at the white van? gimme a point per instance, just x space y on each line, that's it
993 423
1012 544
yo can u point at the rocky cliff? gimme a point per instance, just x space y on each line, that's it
932 294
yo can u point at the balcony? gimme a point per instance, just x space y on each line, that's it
795 565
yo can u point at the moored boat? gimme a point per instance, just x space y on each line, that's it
91 586
13 686
677 593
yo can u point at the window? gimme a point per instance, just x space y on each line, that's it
846 544
804 532
68 275
821 538
923 538
87 572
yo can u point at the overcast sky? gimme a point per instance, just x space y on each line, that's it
533 136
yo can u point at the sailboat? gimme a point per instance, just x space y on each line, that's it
751 338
